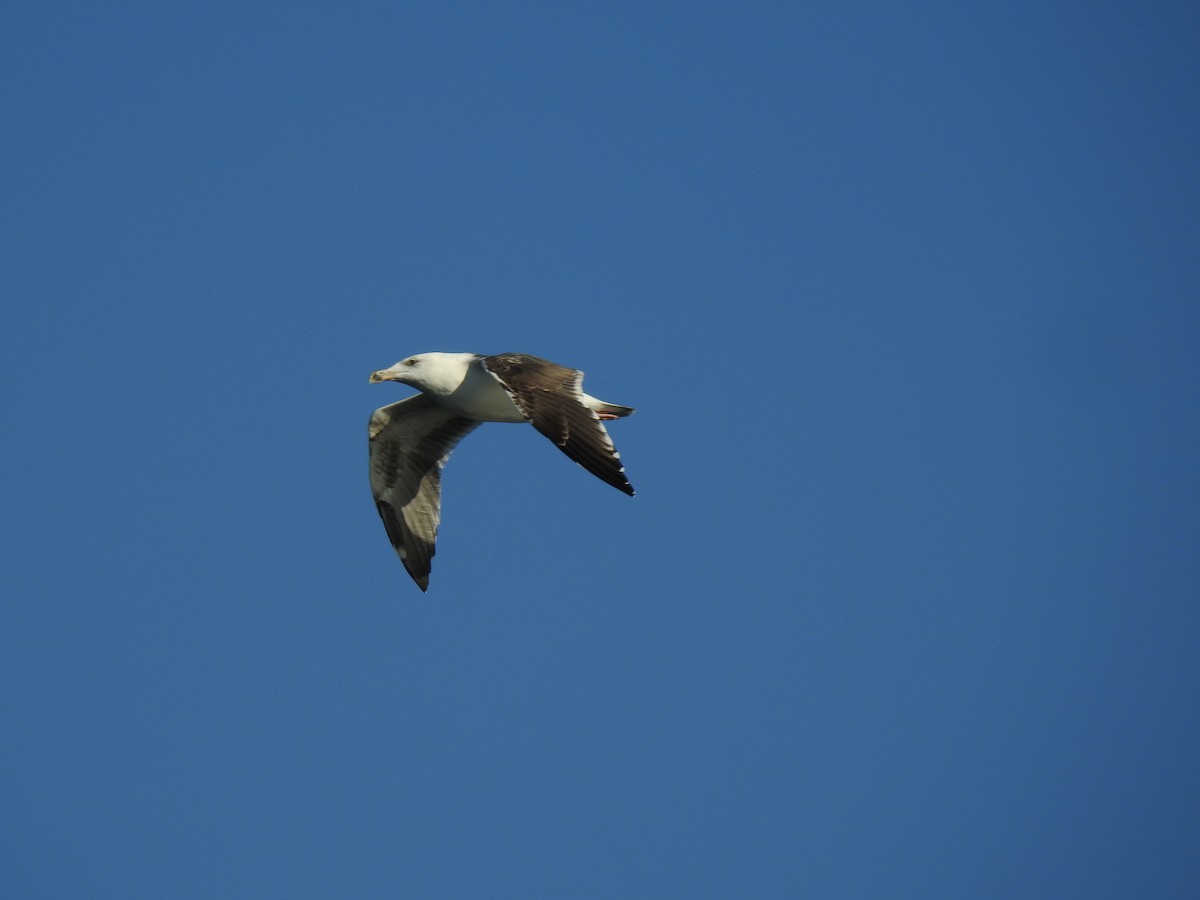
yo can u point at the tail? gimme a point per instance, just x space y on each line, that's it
606 410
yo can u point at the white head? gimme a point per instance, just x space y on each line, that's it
438 373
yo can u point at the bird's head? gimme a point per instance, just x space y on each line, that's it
407 371
439 373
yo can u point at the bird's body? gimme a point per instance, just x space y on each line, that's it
411 440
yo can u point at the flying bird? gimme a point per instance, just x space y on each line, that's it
411 440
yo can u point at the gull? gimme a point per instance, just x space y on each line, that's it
411 440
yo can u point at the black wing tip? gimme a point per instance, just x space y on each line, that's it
619 481
418 571
421 577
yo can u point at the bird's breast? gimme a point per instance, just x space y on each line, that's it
482 397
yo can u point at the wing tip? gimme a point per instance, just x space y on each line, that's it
417 569
418 575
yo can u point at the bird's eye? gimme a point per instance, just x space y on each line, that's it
411 362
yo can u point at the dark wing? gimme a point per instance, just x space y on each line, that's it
551 397
410 443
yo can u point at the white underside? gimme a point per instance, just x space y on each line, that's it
478 395
482 397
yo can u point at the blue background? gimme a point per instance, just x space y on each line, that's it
906 296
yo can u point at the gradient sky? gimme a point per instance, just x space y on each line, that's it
907 296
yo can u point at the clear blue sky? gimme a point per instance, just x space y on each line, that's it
907 297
